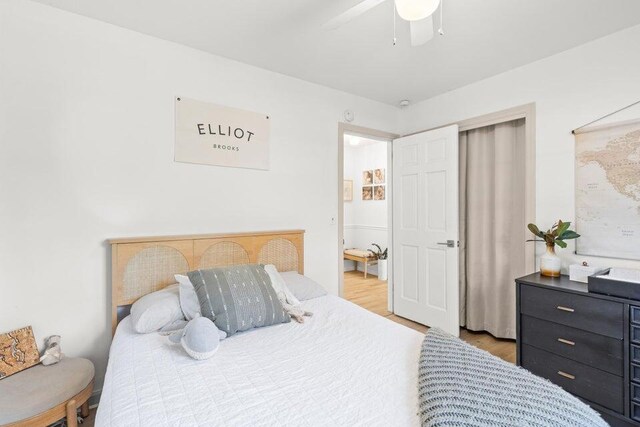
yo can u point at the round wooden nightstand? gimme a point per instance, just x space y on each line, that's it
42 395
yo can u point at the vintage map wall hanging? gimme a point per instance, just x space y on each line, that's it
608 190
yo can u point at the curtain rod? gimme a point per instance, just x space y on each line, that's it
604 117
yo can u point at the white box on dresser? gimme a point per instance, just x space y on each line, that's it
581 272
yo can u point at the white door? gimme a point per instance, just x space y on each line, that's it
425 228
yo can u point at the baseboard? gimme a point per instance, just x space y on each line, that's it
95 398
349 266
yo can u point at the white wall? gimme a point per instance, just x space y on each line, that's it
86 154
569 89
365 221
86 148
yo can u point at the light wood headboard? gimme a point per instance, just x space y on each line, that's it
146 264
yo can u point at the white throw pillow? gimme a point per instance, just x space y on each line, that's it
301 286
279 285
188 298
156 310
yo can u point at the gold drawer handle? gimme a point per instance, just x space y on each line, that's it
567 342
564 374
570 310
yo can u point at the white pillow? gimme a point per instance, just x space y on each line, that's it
156 310
301 286
188 298
279 285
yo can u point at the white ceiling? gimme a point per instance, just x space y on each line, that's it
483 37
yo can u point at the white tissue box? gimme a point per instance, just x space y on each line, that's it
581 273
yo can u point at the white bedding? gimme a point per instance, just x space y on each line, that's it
344 366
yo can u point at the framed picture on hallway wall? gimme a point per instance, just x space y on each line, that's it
348 190
379 176
367 177
367 193
379 192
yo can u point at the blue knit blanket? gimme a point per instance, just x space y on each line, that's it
460 385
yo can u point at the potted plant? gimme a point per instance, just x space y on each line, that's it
381 256
556 235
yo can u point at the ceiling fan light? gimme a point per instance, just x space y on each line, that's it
415 10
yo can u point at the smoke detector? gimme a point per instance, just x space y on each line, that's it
404 103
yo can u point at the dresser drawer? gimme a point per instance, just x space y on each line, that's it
635 315
591 384
634 330
635 392
635 353
582 312
635 411
634 372
598 351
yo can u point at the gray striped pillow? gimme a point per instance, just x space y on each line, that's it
238 298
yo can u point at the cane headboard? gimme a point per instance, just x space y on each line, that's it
146 264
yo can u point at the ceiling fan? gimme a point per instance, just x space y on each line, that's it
419 13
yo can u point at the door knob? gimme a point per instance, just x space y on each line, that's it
448 243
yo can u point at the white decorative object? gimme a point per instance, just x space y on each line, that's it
581 272
215 135
608 190
382 269
53 351
550 263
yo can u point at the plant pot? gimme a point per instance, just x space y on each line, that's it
382 269
550 262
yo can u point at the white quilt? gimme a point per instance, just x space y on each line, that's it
344 366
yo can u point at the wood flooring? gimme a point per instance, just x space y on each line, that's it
371 293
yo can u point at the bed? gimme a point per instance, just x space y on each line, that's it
343 366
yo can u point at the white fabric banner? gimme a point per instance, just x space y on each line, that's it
215 135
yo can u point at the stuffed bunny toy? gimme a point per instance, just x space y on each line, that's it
200 338
53 352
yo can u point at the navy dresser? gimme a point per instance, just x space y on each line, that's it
587 343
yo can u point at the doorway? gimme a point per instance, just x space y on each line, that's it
526 112
366 244
364 217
